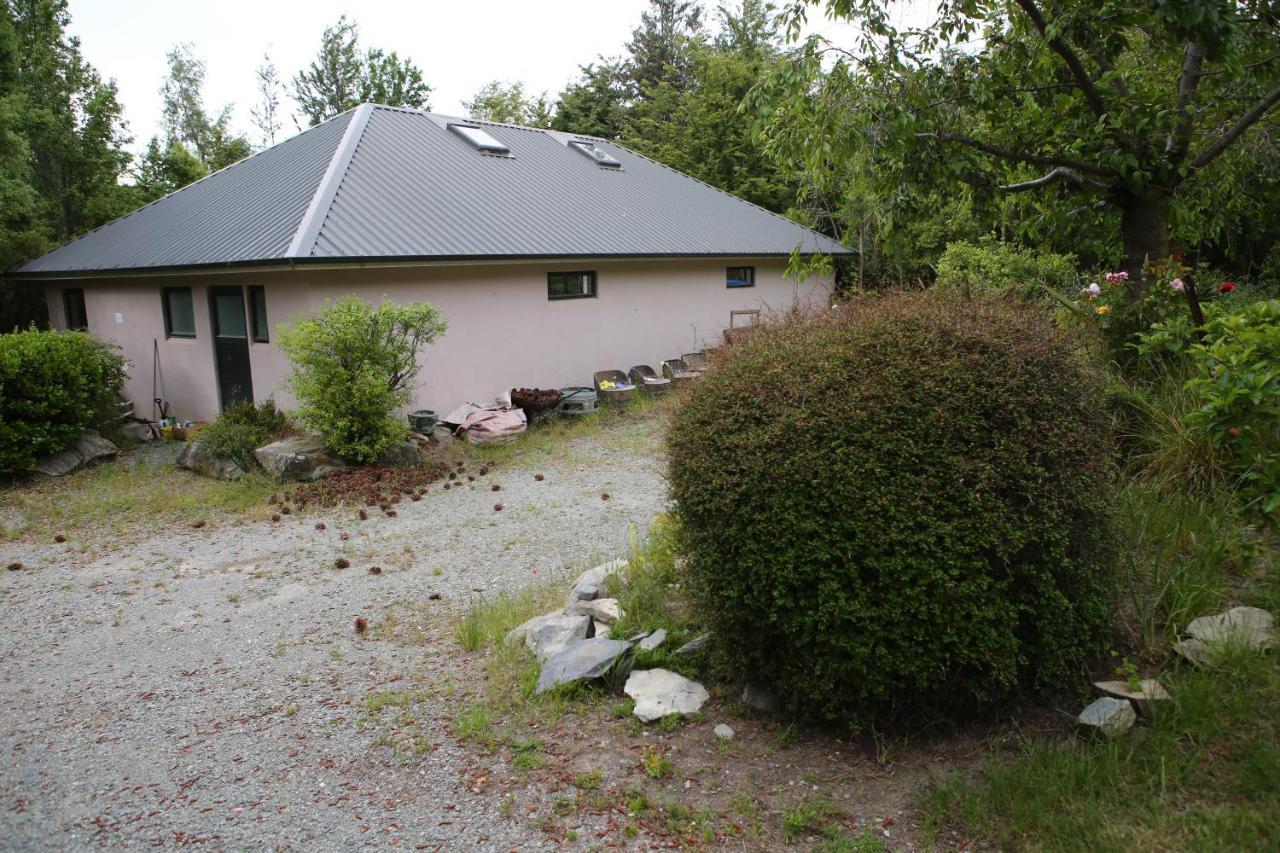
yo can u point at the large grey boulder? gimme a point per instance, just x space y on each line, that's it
1108 716
661 692
90 447
195 458
300 458
401 455
592 583
1247 626
551 633
581 661
606 610
1145 696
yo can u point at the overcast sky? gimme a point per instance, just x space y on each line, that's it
459 44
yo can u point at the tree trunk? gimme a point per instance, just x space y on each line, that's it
1146 234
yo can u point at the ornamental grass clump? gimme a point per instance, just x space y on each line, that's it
900 509
354 366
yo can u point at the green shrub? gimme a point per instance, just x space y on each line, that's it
354 366
900 507
990 266
1237 389
243 428
53 385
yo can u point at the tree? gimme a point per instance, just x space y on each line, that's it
186 120
508 103
62 144
341 77
1108 106
266 115
596 103
165 169
661 48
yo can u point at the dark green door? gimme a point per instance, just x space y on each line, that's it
230 344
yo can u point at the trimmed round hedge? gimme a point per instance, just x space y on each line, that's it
899 508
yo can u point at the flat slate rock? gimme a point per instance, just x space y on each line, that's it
581 661
551 633
695 645
654 640
88 448
1248 626
1148 693
1108 716
661 692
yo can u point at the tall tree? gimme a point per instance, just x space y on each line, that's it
662 47
186 120
165 169
266 113
341 77
596 103
1124 106
509 103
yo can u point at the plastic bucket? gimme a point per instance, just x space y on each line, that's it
422 421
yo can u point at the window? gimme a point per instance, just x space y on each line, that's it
179 316
480 138
258 313
73 304
740 277
571 285
596 153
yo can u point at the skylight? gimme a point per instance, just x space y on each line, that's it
596 153
480 138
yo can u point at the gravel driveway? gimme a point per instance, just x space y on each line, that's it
207 686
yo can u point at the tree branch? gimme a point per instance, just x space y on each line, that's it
1180 139
1246 121
1060 173
1083 81
1022 156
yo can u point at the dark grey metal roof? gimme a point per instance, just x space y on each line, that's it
383 183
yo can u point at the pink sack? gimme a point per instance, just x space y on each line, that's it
493 426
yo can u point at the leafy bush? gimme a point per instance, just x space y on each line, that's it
1237 387
990 266
899 507
243 428
53 385
354 366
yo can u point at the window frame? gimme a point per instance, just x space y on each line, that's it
66 309
254 292
749 281
168 314
594 287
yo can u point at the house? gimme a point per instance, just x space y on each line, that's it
552 255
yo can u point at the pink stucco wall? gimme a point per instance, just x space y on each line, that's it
503 331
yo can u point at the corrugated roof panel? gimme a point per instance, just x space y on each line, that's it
248 211
402 185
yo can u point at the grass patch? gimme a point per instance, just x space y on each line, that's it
119 496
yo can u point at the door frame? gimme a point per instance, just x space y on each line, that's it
214 290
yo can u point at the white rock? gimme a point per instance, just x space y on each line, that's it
599 629
550 633
654 640
1108 716
1148 694
591 583
723 732
660 692
605 610
1248 626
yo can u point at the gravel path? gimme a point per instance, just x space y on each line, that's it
208 686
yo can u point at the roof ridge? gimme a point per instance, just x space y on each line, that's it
304 239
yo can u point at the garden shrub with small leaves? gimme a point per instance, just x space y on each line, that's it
53 385
993 267
901 508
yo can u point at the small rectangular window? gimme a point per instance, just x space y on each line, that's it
258 311
571 285
179 315
596 153
480 138
73 304
740 277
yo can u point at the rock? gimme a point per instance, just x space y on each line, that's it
401 455
606 610
1194 651
88 448
762 698
442 435
135 431
723 732
194 458
1108 716
695 645
581 661
549 634
1247 626
300 458
1149 693
660 692
591 584
600 629
654 640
